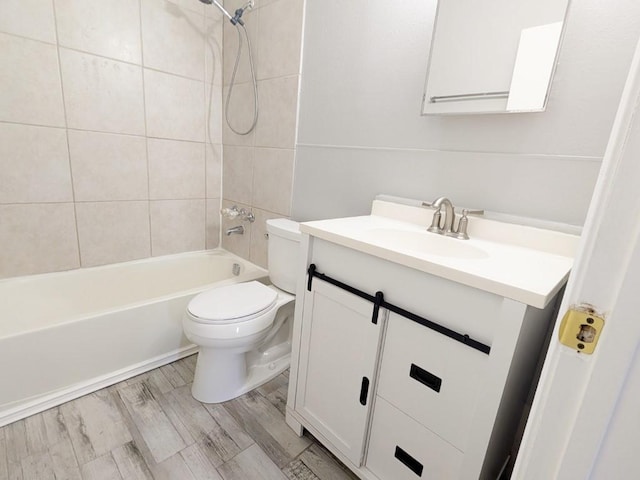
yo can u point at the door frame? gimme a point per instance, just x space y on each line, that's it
577 393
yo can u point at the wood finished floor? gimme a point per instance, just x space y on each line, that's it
150 427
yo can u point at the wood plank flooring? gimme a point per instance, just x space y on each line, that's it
150 428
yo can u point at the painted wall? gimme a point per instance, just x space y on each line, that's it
104 153
258 168
361 133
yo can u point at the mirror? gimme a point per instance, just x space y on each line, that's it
493 56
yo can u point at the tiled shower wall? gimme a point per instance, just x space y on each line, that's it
258 168
109 147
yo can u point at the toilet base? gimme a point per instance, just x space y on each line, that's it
231 376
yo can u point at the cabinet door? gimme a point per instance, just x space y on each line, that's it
337 366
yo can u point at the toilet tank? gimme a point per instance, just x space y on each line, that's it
284 243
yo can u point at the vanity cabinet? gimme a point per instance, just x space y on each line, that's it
403 374
338 351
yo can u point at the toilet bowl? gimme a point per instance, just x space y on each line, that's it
244 330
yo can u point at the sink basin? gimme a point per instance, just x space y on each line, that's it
426 243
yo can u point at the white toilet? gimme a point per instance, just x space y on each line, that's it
244 330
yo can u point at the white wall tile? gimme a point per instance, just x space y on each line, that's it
278 111
108 166
30 79
243 73
112 232
259 242
109 28
214 48
197 7
98 66
177 226
173 39
237 175
272 179
102 94
214 112
175 107
213 223
37 238
279 39
176 169
240 115
28 18
264 3
213 155
34 165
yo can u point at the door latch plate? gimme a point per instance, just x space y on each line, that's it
580 329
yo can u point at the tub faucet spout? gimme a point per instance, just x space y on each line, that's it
239 230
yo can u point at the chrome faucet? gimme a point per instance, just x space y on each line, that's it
449 216
448 228
239 230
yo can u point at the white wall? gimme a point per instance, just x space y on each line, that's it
360 131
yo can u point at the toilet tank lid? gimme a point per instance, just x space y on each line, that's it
285 228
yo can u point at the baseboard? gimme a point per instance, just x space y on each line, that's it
40 403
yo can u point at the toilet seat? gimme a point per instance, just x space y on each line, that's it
204 331
234 303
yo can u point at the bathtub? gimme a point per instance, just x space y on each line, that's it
63 335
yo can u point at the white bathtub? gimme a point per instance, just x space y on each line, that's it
63 335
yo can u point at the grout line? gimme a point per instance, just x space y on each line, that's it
133 64
146 130
76 129
252 231
222 123
66 129
134 200
207 117
24 37
550 156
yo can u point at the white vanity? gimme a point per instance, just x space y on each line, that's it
414 353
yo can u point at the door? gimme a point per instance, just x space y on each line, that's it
581 422
338 353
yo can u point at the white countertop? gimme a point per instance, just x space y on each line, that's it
523 263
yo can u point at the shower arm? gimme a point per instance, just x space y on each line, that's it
234 19
221 8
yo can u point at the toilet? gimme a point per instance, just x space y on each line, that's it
243 330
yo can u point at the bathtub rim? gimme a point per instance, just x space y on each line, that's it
255 272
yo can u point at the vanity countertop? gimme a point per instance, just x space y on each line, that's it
523 263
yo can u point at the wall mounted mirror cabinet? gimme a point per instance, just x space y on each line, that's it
495 56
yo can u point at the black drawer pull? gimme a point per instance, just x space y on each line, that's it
425 378
364 391
411 463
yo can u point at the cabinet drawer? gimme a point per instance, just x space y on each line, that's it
402 449
432 378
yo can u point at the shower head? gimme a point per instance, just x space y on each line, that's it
236 18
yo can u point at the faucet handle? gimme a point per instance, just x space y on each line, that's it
466 211
464 222
435 222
